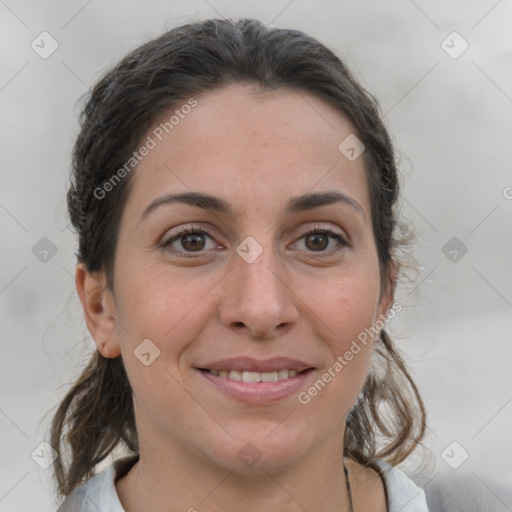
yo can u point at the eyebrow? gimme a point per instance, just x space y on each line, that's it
215 204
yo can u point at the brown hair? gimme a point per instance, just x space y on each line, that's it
97 413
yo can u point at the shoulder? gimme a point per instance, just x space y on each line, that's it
401 492
465 491
99 493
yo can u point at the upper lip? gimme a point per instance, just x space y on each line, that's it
254 365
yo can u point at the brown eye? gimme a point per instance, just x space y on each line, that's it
189 242
317 241
322 241
193 242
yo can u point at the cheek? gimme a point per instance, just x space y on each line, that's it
167 309
345 308
170 312
345 313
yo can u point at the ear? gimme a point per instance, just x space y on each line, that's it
98 305
388 292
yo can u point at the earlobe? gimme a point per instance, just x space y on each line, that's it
388 294
98 306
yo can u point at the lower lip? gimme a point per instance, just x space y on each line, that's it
258 392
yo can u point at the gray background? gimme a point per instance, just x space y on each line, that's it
451 121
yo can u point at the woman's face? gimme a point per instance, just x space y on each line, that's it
249 290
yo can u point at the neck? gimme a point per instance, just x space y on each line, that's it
174 480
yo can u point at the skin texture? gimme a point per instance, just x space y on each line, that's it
256 151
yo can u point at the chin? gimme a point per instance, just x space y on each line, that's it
263 452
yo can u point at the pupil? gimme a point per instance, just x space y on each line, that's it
318 237
192 242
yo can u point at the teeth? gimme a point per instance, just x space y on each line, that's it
255 376
282 374
235 375
251 376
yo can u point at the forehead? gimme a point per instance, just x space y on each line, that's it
251 148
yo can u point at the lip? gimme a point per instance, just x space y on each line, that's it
249 364
258 393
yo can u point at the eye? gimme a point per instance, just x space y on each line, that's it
189 241
323 240
193 242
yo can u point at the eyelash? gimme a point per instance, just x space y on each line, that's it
187 231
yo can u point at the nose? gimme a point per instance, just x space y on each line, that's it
258 301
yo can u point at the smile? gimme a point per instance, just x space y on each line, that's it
257 388
248 376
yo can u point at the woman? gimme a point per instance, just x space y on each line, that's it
234 195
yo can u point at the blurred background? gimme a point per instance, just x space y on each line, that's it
442 72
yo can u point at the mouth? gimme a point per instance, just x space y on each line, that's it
255 377
256 382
